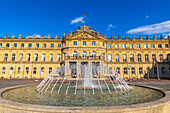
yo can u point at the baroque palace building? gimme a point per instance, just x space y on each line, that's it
132 58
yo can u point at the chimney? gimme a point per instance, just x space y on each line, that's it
140 37
34 36
118 36
111 36
104 35
161 37
154 37
27 36
6 35
41 37
48 36
126 37
147 37
64 35
56 37
133 36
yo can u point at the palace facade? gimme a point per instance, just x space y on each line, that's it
132 58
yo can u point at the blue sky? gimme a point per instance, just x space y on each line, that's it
112 17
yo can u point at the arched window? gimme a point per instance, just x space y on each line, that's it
163 70
117 58
34 70
13 57
139 58
161 57
146 58
50 70
168 57
118 70
51 58
42 70
84 54
36 57
133 70
125 70
27 70
74 54
154 58
28 57
43 57
5 57
19 70
132 58
109 58
140 70
93 54
20 57
58 57
124 58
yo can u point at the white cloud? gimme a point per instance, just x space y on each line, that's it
146 16
37 36
163 27
110 26
76 20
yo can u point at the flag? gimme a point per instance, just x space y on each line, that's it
84 15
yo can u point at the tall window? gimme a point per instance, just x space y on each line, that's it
103 44
11 70
159 45
139 58
93 43
155 70
19 70
22 45
117 58
138 45
36 57
168 57
161 57
140 71
3 70
124 58
20 57
5 57
13 57
29 45
163 70
118 70
74 43
166 46
154 58
52 45
123 46
42 70
133 70
37 45
50 70
44 45
51 58
15 45
152 46
130 45
43 57
146 58
125 70
84 54
93 54
7 45
28 57
109 58
27 70
132 58
34 70
116 45
84 43
0 44
59 45
108 45
145 46
58 57
74 54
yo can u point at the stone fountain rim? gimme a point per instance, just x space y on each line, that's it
42 108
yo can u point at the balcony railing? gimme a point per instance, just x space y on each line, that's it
84 58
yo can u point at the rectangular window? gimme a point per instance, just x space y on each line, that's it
20 57
5 57
34 70
43 57
123 46
36 45
58 57
159 46
29 45
145 46
93 43
109 58
7 45
74 43
152 46
0 44
166 46
27 70
42 70
84 43
108 45
28 57
36 57
50 70
103 44
52 45
138 45
3 70
44 45
22 45
19 70
116 45
11 70
51 58
13 57
124 57
130 45
15 45
59 45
